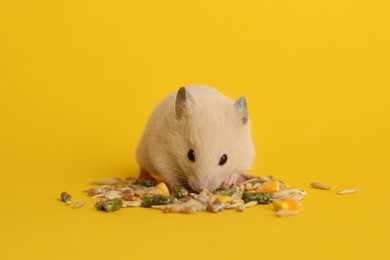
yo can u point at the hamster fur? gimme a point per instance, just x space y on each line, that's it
200 118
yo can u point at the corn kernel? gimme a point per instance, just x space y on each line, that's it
163 188
223 198
269 186
286 203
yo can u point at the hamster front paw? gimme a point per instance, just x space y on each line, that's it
146 176
233 179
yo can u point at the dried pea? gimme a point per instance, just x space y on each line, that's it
144 183
260 197
149 201
226 192
109 205
179 191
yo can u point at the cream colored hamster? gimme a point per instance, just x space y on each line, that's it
199 137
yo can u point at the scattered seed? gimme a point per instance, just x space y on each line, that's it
234 206
107 181
113 194
256 185
128 197
241 208
251 204
179 191
175 209
109 205
264 179
248 186
66 197
133 204
286 212
347 191
140 193
79 204
318 185
239 200
191 210
148 201
215 206
260 197
144 183
223 198
227 192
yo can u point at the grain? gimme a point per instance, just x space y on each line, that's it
79 204
347 191
107 181
130 193
248 186
133 204
318 185
241 208
251 204
113 194
286 212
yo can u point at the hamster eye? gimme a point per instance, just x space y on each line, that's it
223 160
191 155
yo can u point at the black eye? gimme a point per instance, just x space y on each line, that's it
191 155
223 160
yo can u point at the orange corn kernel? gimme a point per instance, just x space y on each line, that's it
163 188
286 203
269 186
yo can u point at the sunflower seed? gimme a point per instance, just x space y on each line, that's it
251 204
134 203
107 181
241 208
248 186
347 191
256 185
66 197
191 210
234 206
318 185
175 209
79 204
238 200
112 194
160 206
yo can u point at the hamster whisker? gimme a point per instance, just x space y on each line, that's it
181 172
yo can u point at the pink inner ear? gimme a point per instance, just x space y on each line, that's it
144 175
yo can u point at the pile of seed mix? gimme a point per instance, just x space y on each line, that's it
117 193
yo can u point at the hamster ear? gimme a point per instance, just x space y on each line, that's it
241 107
183 101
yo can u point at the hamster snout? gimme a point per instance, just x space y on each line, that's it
210 184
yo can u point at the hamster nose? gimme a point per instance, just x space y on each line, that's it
210 185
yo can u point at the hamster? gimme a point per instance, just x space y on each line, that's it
198 137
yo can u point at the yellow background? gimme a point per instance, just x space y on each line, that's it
78 80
